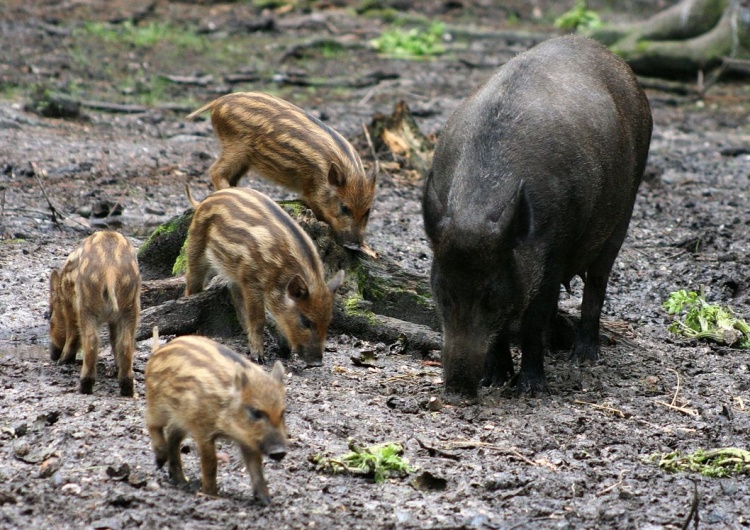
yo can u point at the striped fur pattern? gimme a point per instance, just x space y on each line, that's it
197 387
270 262
98 283
283 143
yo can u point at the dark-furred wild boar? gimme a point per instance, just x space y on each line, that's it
98 283
270 263
533 182
285 144
197 387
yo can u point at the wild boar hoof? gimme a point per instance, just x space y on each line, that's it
87 385
262 498
126 387
585 353
312 363
531 386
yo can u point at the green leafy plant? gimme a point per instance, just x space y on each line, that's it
146 36
701 320
413 43
376 461
717 463
580 17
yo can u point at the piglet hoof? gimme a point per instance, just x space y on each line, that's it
126 387
160 461
54 353
87 385
263 498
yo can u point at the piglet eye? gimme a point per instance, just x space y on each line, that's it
344 210
254 414
305 322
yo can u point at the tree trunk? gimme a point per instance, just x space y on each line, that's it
692 36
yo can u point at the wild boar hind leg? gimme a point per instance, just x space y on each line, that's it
586 346
122 341
90 346
174 441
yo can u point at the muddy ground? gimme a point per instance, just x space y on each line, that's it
578 458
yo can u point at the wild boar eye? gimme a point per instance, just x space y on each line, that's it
255 414
344 210
305 322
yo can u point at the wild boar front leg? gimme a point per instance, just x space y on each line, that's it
207 453
499 367
255 314
174 441
531 379
254 464
72 343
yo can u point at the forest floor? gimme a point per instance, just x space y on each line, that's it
585 456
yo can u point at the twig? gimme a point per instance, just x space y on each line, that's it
612 410
608 489
693 515
684 410
372 149
677 390
672 405
55 211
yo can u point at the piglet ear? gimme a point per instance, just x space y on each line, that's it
336 177
54 281
240 379
297 288
278 372
335 282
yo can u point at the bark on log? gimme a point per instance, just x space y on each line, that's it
379 300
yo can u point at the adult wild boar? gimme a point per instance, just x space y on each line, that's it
533 182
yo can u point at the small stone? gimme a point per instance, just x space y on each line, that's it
49 467
21 448
71 488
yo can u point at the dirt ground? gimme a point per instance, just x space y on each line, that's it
578 458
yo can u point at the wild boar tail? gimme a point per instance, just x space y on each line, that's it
155 343
110 293
193 202
201 110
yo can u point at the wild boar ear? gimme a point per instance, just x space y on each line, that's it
432 209
515 222
523 220
335 282
297 288
336 177
278 372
